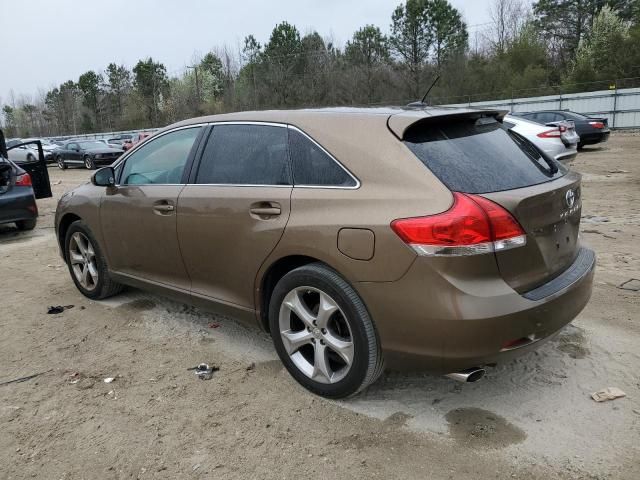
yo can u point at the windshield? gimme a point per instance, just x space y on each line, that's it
479 155
90 145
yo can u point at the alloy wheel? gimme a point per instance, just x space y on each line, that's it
83 261
316 334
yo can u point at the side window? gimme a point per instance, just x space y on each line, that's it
162 161
312 166
72 146
245 155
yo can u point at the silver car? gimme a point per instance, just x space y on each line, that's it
558 139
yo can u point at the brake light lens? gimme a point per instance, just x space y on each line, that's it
23 180
555 133
597 124
473 225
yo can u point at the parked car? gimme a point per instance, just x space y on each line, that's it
558 140
434 238
26 153
592 130
127 144
110 144
87 153
19 189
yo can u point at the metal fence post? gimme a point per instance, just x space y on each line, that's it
615 105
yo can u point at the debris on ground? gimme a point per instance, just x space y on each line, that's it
204 371
23 379
58 309
609 393
251 367
632 284
109 379
214 325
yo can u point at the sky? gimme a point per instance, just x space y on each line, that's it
46 42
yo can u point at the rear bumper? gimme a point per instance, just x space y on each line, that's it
451 324
18 204
593 138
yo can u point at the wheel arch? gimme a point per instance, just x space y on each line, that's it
272 275
63 227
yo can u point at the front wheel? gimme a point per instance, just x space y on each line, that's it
88 163
87 264
323 333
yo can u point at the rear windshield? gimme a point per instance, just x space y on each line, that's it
479 155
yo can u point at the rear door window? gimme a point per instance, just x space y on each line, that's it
479 155
312 166
245 155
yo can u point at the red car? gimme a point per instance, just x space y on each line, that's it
133 141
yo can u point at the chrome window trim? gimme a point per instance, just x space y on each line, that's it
126 155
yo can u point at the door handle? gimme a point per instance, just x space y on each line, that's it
164 208
266 211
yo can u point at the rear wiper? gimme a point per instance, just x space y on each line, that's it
553 168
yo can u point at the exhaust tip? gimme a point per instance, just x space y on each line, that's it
469 375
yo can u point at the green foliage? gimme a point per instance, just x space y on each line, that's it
150 83
449 31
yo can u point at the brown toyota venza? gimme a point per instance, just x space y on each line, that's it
428 238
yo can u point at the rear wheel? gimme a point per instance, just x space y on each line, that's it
60 162
26 224
88 163
87 264
323 333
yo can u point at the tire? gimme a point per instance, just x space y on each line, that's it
31 158
60 162
26 224
88 163
331 375
580 146
98 287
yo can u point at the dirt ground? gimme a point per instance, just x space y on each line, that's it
532 418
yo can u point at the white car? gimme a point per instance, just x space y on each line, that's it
558 140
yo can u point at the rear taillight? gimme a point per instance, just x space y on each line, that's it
471 226
23 180
597 124
555 133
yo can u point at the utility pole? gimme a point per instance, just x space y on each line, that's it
195 68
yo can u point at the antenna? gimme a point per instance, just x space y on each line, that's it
432 85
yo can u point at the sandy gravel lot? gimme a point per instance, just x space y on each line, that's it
532 418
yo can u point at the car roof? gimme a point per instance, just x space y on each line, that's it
398 119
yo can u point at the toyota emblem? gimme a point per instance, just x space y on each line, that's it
570 198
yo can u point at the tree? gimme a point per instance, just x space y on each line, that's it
118 86
599 56
449 31
90 84
566 22
507 18
368 50
9 120
280 60
150 82
411 38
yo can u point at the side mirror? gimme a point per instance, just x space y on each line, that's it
104 177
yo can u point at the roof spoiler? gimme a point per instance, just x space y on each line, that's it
401 122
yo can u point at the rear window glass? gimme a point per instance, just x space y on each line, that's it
479 156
